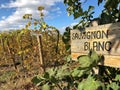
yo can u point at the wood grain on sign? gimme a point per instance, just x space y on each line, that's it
104 39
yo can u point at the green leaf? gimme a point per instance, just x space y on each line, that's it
52 71
65 1
68 47
62 72
90 8
53 80
75 72
68 58
94 56
113 86
89 84
66 37
99 1
117 14
46 75
78 72
117 78
77 14
85 61
45 87
36 79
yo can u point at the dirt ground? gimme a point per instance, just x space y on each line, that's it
11 79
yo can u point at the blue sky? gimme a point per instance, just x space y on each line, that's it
11 12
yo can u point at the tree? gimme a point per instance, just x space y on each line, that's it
110 14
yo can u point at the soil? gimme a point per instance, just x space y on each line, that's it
20 79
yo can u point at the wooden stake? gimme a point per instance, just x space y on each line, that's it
39 39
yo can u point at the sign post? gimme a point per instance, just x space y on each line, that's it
104 39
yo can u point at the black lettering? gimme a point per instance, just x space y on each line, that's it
98 34
88 35
87 46
73 36
108 46
83 35
93 35
104 34
101 45
76 35
95 46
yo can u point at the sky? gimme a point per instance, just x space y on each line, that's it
11 12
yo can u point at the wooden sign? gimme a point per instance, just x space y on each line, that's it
104 39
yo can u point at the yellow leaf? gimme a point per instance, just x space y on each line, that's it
20 52
40 8
29 23
27 50
44 26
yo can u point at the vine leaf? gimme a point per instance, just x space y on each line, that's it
113 86
99 1
37 80
45 87
91 82
94 56
85 61
117 77
90 8
77 72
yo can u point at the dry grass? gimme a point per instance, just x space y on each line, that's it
11 79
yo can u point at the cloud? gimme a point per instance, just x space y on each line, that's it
28 3
3 17
73 24
26 6
56 9
62 30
